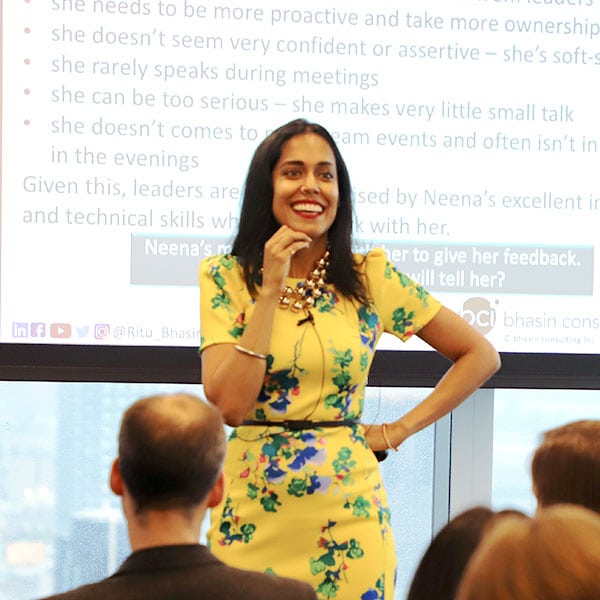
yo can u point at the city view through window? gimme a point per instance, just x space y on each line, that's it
60 526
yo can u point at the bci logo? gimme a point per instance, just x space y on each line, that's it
479 313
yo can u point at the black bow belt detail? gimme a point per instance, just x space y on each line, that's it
300 424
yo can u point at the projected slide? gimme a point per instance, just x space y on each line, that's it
470 128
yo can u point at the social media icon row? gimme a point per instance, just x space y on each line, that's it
58 330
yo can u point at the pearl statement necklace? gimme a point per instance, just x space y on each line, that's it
304 295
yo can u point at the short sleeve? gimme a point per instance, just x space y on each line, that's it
223 301
403 305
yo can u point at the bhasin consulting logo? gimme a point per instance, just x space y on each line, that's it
479 313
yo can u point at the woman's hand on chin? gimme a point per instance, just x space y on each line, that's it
278 253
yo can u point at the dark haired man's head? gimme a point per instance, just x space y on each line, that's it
171 450
566 466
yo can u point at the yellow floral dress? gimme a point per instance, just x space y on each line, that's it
310 504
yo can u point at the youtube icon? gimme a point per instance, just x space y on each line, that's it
60 330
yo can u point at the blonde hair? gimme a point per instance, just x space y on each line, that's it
554 556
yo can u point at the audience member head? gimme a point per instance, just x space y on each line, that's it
441 567
566 466
171 450
554 556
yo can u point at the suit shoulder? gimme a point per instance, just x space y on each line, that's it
92 591
265 586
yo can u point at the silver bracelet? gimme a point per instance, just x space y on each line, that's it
386 438
250 352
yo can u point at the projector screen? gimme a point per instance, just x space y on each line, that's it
470 129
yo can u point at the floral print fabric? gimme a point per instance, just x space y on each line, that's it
310 504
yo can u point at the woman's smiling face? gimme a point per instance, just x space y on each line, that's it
305 186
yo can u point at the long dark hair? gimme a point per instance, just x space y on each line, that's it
257 223
442 565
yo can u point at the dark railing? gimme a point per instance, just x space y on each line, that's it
159 364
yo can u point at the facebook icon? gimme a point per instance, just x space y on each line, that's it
37 330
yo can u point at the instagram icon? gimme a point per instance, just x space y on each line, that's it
101 331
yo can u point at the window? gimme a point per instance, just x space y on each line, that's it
61 525
520 419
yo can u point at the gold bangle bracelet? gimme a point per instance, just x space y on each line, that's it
386 438
250 352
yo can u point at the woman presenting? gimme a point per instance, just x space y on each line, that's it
290 320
